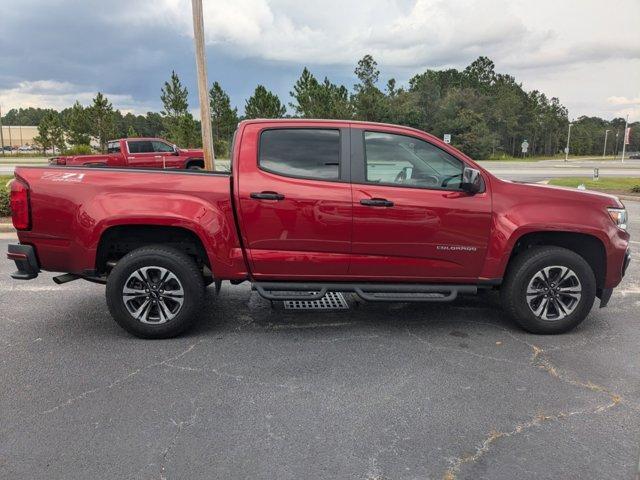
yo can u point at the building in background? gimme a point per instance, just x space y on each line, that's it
18 135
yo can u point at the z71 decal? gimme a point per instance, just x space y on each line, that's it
63 177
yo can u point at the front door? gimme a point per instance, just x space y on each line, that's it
295 201
411 221
166 155
142 154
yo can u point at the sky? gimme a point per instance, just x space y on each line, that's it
53 52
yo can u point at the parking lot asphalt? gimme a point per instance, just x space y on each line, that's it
378 391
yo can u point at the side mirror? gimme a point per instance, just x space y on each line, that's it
471 181
175 150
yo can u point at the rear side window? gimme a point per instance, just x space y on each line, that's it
140 146
307 153
113 147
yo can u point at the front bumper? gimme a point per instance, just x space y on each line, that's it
605 294
26 262
626 262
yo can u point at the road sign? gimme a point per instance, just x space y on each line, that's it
447 138
566 149
525 146
596 173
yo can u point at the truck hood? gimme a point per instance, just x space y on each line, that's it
564 193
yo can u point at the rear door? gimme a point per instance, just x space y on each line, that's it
295 200
142 154
411 221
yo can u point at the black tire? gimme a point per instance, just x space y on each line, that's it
515 301
187 275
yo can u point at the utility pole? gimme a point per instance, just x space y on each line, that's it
604 152
203 83
1 134
566 150
625 137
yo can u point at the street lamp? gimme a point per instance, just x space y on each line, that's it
566 150
604 152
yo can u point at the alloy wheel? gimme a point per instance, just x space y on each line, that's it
153 295
554 292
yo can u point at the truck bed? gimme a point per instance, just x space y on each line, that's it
72 207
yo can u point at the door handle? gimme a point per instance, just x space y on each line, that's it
267 196
376 202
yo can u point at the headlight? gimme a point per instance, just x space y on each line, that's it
619 217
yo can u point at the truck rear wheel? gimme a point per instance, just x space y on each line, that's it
155 292
548 290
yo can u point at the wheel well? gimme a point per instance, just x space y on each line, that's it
587 246
117 241
194 162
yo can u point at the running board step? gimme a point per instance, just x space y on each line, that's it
371 292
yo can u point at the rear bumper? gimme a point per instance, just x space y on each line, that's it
26 262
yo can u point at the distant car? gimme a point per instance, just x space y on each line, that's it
136 153
7 148
635 156
25 148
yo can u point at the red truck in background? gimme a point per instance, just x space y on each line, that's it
385 212
137 153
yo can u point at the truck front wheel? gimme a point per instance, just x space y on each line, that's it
155 292
548 290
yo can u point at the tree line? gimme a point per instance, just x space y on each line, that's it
488 114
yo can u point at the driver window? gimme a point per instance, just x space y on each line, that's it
406 161
161 147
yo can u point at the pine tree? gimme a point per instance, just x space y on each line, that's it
175 97
368 100
179 125
78 125
50 132
224 119
264 104
304 93
102 119
320 100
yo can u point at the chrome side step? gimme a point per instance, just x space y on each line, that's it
371 292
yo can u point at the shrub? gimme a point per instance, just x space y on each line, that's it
78 150
635 189
4 202
221 148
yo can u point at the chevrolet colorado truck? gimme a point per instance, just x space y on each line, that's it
137 153
388 213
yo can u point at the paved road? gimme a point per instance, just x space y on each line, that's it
536 171
394 391
524 171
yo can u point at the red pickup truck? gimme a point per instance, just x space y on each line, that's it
385 212
137 153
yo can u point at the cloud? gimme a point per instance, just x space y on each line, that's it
398 34
60 95
624 101
572 49
623 106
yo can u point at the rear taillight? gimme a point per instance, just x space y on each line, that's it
19 202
